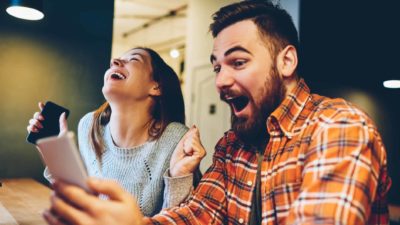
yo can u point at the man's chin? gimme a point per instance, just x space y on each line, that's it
248 131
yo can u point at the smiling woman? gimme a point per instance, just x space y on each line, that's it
131 137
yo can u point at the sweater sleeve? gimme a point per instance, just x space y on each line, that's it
177 189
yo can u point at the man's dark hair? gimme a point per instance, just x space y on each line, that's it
273 23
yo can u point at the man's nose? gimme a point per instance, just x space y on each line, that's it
224 79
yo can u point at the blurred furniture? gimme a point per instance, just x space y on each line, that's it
22 202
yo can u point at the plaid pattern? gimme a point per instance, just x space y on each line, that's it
325 164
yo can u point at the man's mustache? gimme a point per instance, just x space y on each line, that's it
226 93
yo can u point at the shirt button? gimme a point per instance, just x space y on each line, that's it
241 220
249 182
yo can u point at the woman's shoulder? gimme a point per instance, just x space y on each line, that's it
176 128
86 120
173 133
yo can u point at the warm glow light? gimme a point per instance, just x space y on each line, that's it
25 13
174 53
391 84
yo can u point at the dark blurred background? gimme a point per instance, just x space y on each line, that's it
61 58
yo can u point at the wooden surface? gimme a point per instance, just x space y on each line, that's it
22 202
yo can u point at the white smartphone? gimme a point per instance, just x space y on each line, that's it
63 159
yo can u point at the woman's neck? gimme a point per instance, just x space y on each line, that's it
129 125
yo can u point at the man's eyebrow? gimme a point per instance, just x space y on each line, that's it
230 51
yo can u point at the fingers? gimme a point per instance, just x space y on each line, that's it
65 212
63 123
34 123
108 187
75 195
192 144
51 219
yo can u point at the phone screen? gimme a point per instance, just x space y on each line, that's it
51 113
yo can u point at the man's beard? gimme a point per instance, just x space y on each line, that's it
253 130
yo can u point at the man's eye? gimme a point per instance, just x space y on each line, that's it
133 59
239 63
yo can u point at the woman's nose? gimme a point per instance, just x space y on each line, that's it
115 62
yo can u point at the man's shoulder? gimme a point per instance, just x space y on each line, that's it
332 110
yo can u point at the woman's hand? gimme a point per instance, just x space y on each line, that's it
72 205
188 154
35 123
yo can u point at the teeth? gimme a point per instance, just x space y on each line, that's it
120 76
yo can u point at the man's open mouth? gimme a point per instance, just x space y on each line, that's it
118 76
238 103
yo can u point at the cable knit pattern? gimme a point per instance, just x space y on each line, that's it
139 169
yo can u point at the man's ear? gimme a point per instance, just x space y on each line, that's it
287 61
155 90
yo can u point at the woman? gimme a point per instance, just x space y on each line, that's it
132 136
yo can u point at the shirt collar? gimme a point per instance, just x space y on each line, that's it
284 118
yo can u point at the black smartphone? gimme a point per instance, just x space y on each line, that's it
51 113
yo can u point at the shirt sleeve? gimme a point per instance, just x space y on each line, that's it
207 204
342 173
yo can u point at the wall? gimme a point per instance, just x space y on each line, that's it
61 58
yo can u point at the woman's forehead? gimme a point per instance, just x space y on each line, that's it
136 51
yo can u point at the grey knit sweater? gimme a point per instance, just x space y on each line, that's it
141 170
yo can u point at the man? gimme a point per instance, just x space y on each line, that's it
291 157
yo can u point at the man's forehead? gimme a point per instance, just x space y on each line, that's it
239 36
236 33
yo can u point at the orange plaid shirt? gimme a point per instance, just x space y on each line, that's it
325 163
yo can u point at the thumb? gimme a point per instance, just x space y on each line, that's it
63 124
41 106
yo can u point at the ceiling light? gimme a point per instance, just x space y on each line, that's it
26 9
174 53
391 84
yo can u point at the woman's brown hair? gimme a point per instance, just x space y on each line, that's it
168 107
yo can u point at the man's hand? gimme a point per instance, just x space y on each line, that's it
72 205
188 154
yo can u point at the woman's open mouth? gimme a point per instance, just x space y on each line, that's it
117 76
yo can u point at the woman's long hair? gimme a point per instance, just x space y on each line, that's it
167 108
